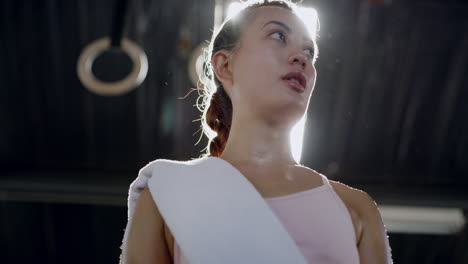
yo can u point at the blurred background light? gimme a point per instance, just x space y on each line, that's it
422 220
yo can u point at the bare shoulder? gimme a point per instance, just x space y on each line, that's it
373 244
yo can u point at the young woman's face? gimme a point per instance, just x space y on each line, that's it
272 70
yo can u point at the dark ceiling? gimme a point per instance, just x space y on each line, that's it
388 114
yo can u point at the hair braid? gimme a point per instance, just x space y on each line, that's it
218 118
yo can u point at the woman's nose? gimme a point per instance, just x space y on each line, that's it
298 58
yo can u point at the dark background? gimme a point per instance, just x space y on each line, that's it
388 116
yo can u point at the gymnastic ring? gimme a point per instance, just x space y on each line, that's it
133 80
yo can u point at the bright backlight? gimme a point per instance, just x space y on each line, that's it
296 138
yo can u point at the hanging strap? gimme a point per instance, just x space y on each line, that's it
118 22
217 216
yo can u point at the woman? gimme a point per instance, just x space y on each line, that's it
262 63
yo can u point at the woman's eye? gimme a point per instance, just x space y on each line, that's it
310 52
279 35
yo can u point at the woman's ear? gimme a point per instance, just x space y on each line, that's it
222 67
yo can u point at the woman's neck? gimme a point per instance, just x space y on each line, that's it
253 142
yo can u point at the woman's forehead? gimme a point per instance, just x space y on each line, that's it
271 14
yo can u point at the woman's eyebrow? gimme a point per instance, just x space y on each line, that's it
279 24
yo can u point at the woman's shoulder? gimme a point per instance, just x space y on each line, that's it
362 205
373 244
359 199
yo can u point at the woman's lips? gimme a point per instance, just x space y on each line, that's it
296 86
296 80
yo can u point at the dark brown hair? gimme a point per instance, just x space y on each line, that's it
217 106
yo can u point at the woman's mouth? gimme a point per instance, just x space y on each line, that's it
295 80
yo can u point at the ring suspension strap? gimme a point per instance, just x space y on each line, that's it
118 22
